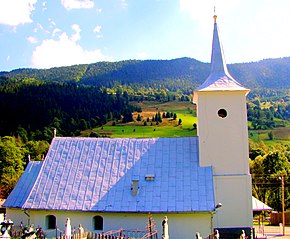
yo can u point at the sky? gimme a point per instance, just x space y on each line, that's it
53 33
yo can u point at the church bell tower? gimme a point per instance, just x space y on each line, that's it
223 140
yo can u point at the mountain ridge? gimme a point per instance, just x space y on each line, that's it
267 73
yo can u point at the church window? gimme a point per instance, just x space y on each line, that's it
222 113
98 223
51 222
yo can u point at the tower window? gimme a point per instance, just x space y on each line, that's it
98 223
222 113
51 222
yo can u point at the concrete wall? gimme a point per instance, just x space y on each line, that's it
223 144
180 225
235 195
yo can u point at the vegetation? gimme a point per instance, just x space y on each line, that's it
32 109
14 155
181 75
140 99
160 120
268 164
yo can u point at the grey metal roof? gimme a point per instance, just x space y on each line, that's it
95 174
219 78
24 185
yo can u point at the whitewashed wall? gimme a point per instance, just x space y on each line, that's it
223 144
180 225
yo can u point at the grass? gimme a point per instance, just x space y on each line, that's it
168 128
135 131
281 136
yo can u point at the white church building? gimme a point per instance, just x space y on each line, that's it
200 183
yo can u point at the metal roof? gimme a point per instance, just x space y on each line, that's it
97 174
259 206
219 78
20 193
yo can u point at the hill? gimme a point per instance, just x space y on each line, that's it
172 74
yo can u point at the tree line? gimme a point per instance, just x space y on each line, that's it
268 164
31 109
269 73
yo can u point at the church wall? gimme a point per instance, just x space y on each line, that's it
223 143
227 138
234 192
183 225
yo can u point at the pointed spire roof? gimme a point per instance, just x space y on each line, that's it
219 78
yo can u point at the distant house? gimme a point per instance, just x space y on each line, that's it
106 184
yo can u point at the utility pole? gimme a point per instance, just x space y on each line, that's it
283 204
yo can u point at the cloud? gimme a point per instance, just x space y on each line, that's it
77 4
76 36
123 3
269 25
32 39
99 10
196 9
142 55
202 11
65 51
97 29
44 8
55 32
16 12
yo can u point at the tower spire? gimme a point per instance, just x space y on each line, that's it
219 78
214 16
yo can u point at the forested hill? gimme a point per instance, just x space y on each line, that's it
270 73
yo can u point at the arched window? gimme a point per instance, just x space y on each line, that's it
98 223
50 222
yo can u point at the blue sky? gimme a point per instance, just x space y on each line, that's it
52 33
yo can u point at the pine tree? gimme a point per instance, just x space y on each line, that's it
139 117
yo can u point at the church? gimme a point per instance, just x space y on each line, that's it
199 183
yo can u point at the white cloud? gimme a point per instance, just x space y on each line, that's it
76 36
269 26
65 51
197 9
40 28
203 11
51 22
142 55
55 32
32 39
44 8
99 10
77 4
124 3
98 29
16 12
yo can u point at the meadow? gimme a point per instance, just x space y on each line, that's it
167 128
170 127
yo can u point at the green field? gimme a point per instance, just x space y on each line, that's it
127 131
170 128
281 136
